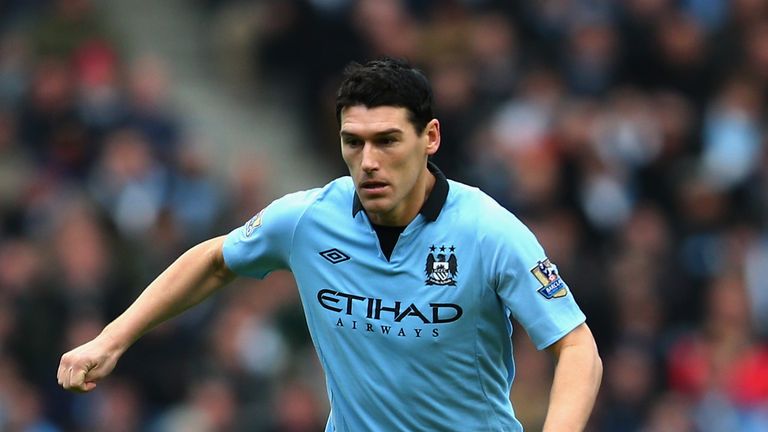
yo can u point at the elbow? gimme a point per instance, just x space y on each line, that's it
597 361
598 369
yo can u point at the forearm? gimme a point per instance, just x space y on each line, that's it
190 279
576 382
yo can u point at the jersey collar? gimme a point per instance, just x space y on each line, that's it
434 203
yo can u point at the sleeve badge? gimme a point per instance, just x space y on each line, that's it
552 286
252 224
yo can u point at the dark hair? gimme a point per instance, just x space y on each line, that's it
387 82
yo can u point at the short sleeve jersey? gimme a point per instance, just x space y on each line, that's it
422 341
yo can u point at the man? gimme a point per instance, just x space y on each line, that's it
407 280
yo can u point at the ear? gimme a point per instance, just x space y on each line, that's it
432 132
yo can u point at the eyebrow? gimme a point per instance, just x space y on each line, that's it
391 131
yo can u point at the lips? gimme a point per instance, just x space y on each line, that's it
372 186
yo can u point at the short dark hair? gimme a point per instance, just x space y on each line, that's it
387 82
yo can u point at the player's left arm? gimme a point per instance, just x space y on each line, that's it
578 373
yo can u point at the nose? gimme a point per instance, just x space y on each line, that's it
369 162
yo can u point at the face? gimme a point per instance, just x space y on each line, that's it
387 159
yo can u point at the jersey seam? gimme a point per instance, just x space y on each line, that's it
493 282
300 218
308 311
488 403
494 271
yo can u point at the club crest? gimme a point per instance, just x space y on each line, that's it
552 286
442 267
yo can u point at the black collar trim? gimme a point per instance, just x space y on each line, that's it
434 203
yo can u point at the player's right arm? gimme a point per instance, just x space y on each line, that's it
255 249
190 279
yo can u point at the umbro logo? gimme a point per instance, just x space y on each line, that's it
334 256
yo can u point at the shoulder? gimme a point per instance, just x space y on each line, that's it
493 222
471 202
335 192
338 191
278 221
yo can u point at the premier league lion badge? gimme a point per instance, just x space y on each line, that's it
549 278
441 269
252 224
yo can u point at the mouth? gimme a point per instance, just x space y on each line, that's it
373 187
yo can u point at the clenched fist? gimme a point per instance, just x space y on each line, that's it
81 368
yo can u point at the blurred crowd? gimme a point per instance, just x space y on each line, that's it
101 187
629 135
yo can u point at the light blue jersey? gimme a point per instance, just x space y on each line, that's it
421 342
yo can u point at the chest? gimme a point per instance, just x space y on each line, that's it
434 277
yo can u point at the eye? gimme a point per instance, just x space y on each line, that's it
353 142
386 140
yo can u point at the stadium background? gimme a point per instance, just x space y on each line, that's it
629 135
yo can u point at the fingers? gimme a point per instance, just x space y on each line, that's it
78 380
81 368
68 382
60 374
73 377
75 380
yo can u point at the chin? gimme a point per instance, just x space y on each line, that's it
375 208
375 205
